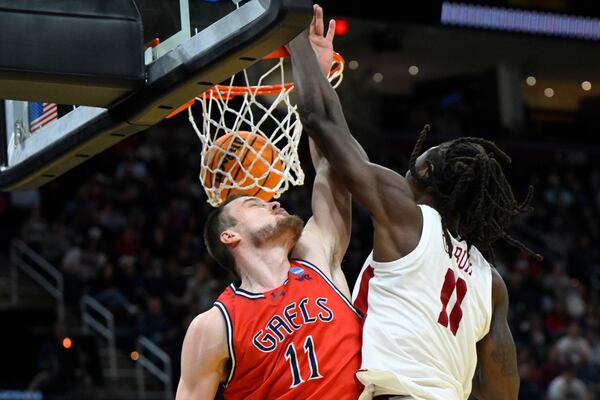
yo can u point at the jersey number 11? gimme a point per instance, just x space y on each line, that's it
450 285
309 350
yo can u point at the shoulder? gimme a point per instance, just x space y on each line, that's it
206 338
499 290
207 322
204 356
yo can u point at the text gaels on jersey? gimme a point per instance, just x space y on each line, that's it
292 318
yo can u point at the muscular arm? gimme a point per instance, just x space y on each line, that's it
204 357
497 377
327 234
331 205
386 194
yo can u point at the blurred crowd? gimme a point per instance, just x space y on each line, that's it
126 228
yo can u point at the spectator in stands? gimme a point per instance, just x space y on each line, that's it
200 293
34 229
567 387
130 280
557 281
154 275
552 367
154 324
56 242
110 219
81 265
529 372
574 296
557 320
104 289
175 284
128 242
574 348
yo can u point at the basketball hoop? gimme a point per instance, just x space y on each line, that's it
335 77
229 109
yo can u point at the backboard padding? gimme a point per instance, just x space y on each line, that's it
70 51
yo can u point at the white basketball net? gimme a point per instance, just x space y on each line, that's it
277 122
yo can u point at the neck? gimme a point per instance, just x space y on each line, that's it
422 197
263 268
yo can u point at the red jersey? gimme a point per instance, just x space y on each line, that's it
298 341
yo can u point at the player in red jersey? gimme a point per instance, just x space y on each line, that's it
288 330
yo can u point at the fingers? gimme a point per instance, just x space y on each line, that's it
331 31
313 22
317 26
317 22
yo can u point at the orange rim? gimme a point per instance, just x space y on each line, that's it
226 92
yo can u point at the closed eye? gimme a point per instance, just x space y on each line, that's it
254 202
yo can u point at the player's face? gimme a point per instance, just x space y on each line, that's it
262 221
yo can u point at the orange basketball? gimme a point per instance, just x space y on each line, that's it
240 168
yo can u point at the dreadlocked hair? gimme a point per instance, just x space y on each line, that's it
469 188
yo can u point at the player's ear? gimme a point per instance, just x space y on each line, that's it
229 237
426 169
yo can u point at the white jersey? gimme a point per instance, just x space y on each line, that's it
424 315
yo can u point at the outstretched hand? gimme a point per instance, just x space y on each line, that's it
322 43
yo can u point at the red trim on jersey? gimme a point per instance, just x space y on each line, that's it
361 301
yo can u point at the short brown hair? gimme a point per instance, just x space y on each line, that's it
217 222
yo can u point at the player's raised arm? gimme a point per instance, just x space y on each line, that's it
386 194
497 377
327 234
204 357
323 119
322 44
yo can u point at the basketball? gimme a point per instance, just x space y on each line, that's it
232 153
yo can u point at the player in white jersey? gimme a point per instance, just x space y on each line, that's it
436 310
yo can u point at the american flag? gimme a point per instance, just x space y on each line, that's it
41 114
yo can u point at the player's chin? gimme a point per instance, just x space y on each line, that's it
292 223
291 226
288 227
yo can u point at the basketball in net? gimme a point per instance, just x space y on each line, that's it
242 163
250 132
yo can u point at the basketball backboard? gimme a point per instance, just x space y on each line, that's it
199 44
